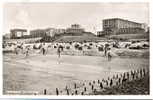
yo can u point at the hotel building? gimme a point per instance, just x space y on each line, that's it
120 26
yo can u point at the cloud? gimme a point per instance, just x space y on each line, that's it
89 15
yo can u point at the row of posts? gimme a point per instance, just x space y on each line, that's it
85 88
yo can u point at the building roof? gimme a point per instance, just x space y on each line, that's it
25 30
121 19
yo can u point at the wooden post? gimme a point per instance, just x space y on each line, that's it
75 85
45 91
85 89
98 81
57 92
67 91
93 82
101 85
82 93
92 87
76 92
89 83
111 82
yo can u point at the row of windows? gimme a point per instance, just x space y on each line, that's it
120 24
130 30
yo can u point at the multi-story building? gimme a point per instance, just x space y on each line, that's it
6 36
46 32
121 26
50 32
144 26
100 33
37 33
59 31
75 28
17 33
130 30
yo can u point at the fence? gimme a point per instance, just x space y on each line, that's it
89 87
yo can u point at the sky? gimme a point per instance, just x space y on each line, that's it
32 15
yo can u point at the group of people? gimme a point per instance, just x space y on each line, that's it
23 49
43 48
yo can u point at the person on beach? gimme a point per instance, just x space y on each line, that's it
16 50
109 56
59 50
43 49
106 49
27 51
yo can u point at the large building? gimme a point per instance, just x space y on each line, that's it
17 33
50 32
121 26
46 32
100 33
6 36
37 33
75 28
59 31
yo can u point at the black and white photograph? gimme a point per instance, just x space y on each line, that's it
76 49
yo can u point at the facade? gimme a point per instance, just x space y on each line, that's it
17 33
144 26
6 36
75 28
50 32
37 33
59 31
118 26
100 33
130 31
45 32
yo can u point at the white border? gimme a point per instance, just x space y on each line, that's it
80 97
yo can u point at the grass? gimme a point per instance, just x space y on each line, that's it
78 39
130 36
